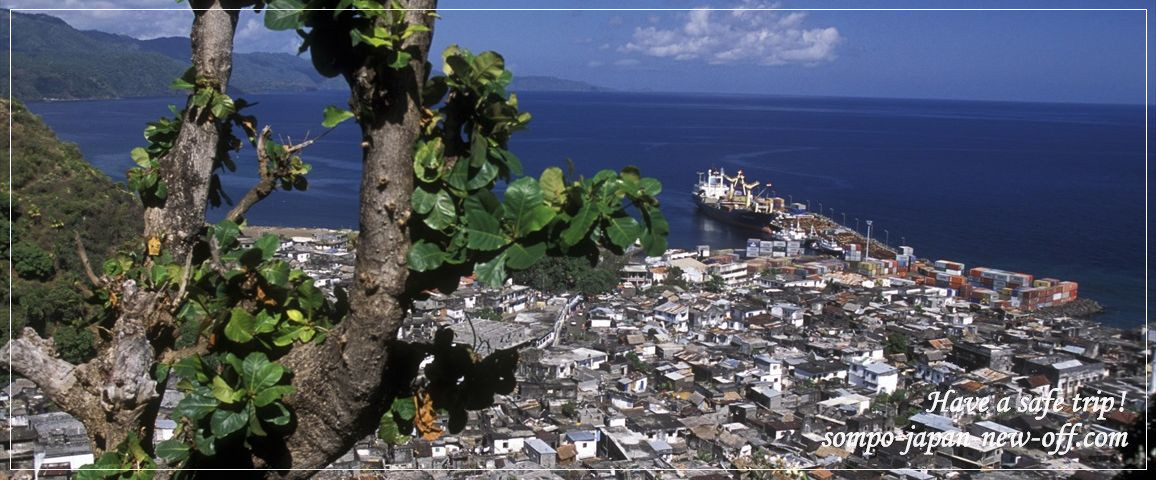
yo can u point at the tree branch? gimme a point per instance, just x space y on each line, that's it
265 183
80 252
35 358
186 273
340 383
187 168
267 177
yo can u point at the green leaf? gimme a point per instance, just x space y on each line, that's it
444 213
295 316
579 226
140 156
283 19
425 256
493 272
207 445
158 274
195 406
523 206
483 231
654 241
456 65
422 201
202 97
276 273
233 361
282 417
651 186
222 391
191 368
427 160
226 233
272 394
488 66
631 173
623 230
553 186
333 116
519 257
161 373
225 422
222 106
387 430
172 450
369 39
241 326
400 59
287 334
513 165
161 191
268 244
404 408
479 147
459 176
307 333
482 178
187 80
101 470
254 422
266 376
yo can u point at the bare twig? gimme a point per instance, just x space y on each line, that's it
215 252
80 252
268 176
185 274
172 356
264 185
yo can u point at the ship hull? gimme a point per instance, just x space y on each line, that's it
746 219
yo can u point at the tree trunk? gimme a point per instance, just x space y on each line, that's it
187 168
114 394
340 384
340 396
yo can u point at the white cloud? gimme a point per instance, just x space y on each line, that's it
741 36
176 21
136 24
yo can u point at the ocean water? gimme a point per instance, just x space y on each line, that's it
1055 190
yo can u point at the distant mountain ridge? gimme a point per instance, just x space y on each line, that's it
51 60
531 83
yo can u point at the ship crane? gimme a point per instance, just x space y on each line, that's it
740 186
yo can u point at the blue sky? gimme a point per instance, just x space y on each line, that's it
1049 56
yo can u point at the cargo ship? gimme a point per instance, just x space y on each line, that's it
733 200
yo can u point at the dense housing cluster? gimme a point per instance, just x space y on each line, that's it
706 361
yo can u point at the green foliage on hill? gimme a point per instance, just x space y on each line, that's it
569 274
52 60
56 195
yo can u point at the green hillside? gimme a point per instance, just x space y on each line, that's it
52 60
57 194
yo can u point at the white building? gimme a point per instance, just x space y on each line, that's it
876 376
585 443
675 315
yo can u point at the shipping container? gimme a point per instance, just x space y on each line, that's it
948 265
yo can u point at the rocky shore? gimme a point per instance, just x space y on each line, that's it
1078 308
